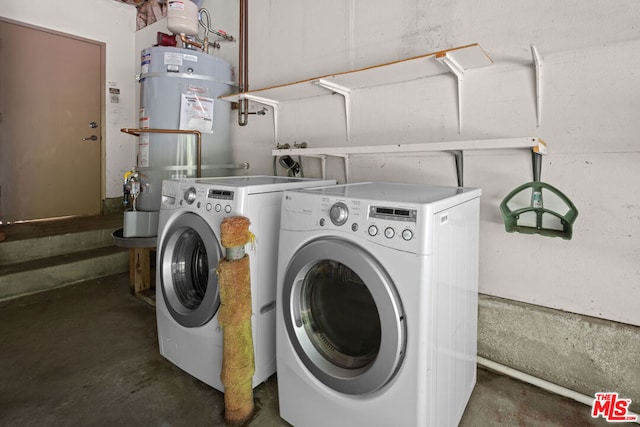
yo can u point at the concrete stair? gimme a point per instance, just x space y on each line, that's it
43 255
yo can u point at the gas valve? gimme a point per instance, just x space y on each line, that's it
131 187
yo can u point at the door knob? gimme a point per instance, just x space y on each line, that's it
90 138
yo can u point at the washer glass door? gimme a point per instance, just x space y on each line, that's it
188 260
343 316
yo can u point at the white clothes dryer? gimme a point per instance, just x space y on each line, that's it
188 252
377 305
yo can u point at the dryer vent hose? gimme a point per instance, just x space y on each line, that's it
238 365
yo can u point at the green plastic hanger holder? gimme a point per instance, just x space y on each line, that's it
513 218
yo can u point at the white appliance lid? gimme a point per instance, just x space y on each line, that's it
398 192
264 183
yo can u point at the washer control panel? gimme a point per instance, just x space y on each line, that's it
390 225
211 200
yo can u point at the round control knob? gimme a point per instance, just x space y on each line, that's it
389 232
190 195
227 209
373 230
339 213
407 234
218 208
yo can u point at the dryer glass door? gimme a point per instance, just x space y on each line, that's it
188 260
343 316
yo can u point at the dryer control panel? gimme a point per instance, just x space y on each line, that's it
403 215
219 200
406 217
400 226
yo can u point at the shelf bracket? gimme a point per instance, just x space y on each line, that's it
537 61
323 164
345 160
275 105
346 93
347 177
458 155
457 71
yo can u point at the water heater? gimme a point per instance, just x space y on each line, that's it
179 91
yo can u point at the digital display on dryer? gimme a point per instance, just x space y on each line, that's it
395 214
220 194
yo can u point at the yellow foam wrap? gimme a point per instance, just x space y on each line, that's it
238 364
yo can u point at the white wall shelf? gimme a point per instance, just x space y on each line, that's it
457 61
456 147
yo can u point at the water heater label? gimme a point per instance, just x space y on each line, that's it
143 150
191 58
145 62
196 113
143 119
172 58
176 5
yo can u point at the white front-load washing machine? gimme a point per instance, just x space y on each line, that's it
188 252
377 305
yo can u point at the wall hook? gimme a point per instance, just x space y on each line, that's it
537 61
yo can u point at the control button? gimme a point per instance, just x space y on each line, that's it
407 234
339 213
227 208
198 205
354 227
190 195
389 232
322 221
373 230
218 208
209 206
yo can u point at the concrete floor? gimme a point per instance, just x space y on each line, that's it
87 355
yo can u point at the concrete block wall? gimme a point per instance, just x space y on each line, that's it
581 353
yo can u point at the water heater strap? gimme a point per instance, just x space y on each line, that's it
186 76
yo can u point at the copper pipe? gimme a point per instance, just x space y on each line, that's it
243 63
197 133
245 35
194 43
